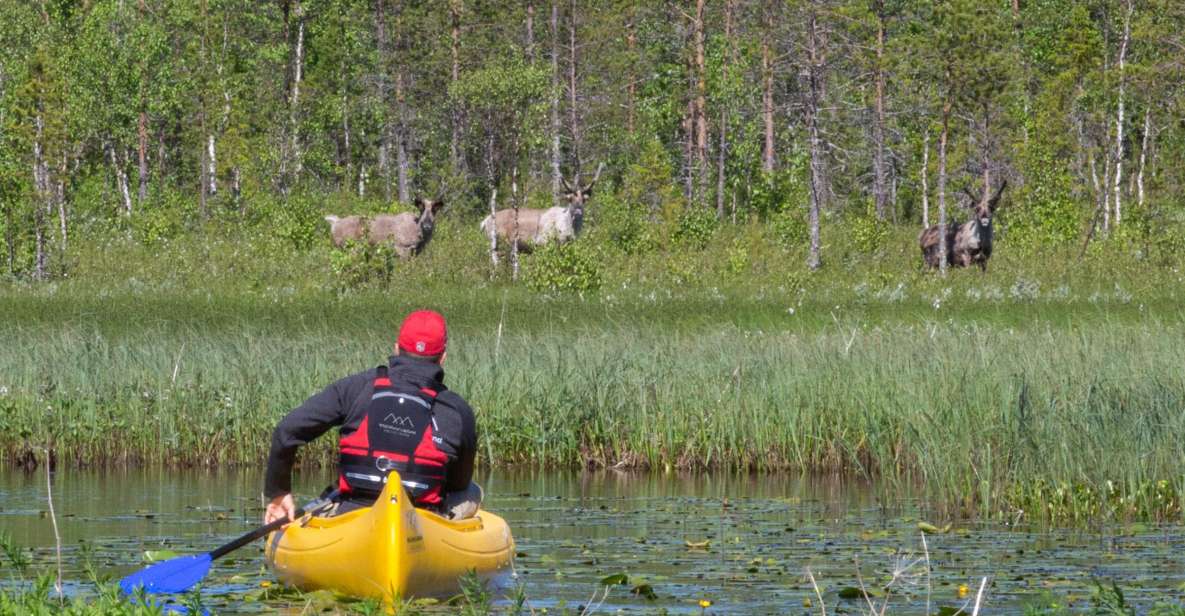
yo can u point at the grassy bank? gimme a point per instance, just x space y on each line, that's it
1052 385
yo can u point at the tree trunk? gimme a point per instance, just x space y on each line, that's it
236 188
493 233
1119 113
41 258
401 158
455 8
722 154
720 166
555 103
202 168
142 151
925 181
10 237
1143 156
631 92
385 130
1107 188
121 178
701 95
60 198
878 128
212 165
942 256
347 149
816 143
514 203
294 100
530 42
767 90
573 111
41 187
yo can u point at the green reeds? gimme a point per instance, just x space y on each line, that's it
991 392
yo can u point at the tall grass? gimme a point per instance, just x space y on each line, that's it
995 392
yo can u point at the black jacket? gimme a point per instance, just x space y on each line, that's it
344 403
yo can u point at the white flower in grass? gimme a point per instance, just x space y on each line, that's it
3 390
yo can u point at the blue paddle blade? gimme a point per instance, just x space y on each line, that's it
173 575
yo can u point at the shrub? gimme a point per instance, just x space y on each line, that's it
868 234
563 267
153 227
297 220
695 228
625 225
361 263
790 229
738 257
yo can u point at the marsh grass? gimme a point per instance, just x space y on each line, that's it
1049 388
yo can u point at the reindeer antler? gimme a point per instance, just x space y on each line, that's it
995 200
564 181
596 176
971 199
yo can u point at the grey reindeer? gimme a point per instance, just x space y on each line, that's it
408 234
536 227
968 243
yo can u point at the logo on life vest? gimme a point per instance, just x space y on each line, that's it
403 421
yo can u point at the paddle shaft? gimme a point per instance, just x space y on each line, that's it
251 536
267 528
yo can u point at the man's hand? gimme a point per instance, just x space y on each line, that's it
281 507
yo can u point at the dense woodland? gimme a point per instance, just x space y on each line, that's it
818 112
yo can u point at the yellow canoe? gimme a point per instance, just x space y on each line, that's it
389 550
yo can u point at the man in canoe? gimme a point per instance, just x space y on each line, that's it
395 417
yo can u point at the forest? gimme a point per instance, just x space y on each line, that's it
815 118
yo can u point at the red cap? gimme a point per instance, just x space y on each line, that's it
423 332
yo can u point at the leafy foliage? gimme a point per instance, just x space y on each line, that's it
563 267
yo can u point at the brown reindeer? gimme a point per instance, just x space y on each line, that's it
406 233
535 227
967 243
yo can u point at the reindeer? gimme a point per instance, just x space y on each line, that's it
536 227
406 233
968 243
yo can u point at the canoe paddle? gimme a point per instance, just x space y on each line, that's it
184 572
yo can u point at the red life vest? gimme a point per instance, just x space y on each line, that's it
397 433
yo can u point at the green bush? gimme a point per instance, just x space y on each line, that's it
790 229
780 191
297 220
563 267
1043 212
625 225
868 234
695 228
738 257
156 226
358 264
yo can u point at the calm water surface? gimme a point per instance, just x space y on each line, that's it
762 532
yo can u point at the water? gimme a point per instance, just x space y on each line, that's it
763 533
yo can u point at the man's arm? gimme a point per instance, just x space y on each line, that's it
460 475
303 424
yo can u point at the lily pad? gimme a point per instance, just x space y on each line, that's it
615 579
931 529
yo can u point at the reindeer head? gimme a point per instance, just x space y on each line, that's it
577 197
986 206
427 215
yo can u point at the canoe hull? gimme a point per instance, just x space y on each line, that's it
391 550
